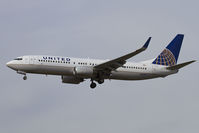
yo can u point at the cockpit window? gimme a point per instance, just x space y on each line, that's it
18 59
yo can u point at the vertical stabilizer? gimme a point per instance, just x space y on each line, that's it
169 55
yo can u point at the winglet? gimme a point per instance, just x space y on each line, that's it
147 43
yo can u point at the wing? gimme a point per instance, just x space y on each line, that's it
118 62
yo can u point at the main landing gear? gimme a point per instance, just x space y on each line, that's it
101 81
93 84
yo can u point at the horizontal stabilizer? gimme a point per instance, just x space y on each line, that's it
176 67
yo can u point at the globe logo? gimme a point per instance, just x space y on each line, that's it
165 58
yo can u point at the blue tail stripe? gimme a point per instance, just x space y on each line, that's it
175 45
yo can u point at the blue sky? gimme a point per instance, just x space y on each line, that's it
98 29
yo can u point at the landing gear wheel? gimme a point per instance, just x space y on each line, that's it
93 85
101 81
25 77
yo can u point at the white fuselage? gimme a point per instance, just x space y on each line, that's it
64 66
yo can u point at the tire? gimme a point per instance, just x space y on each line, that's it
101 81
93 85
25 78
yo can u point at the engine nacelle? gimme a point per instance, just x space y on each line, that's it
71 80
83 72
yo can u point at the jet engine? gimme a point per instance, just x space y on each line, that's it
83 72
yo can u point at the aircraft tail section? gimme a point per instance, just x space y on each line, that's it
169 56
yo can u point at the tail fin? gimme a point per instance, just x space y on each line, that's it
169 55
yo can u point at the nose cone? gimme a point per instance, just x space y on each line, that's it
11 65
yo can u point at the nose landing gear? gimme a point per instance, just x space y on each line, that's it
24 77
23 73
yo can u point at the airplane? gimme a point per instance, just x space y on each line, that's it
77 70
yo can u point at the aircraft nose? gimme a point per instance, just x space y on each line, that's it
10 64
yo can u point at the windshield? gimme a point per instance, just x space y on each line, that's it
18 59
